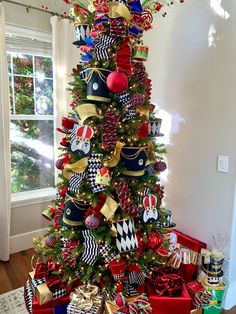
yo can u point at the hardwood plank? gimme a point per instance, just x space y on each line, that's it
14 273
5 284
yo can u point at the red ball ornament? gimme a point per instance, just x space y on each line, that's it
91 222
155 240
117 81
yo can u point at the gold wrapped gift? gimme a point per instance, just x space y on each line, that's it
31 276
43 294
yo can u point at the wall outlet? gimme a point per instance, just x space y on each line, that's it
223 163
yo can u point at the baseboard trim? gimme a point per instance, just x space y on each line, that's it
23 241
230 296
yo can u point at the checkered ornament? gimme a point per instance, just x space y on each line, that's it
126 239
94 164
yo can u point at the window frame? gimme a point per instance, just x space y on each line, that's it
25 198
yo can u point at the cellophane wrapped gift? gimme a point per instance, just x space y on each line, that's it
167 293
138 304
86 299
185 257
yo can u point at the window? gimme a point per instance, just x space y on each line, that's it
32 120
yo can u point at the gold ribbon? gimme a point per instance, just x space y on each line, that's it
208 254
151 154
76 167
117 9
109 207
86 111
143 111
116 155
85 297
99 73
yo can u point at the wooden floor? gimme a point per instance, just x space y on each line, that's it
14 273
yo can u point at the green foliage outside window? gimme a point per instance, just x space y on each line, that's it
32 138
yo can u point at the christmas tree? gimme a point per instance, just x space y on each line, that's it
109 225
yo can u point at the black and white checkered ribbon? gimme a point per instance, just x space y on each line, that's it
58 293
102 44
106 252
91 248
76 181
136 278
28 296
94 164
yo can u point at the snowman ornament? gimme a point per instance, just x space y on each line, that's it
80 142
150 213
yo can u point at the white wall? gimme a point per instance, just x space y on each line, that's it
197 83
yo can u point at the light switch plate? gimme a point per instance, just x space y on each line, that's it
223 163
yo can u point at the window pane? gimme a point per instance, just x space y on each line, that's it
9 62
11 94
24 95
43 67
32 155
44 96
22 64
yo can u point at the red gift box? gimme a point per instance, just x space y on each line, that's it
59 301
189 271
169 305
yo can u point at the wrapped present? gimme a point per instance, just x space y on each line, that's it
139 304
200 297
166 304
188 261
85 300
53 307
44 284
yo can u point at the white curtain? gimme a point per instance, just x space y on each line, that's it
5 185
65 57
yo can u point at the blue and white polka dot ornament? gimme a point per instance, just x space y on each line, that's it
91 222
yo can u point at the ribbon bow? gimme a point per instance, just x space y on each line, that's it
85 297
137 305
43 269
208 254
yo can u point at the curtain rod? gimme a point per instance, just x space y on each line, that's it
35 8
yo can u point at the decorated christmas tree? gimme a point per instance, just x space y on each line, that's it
110 230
